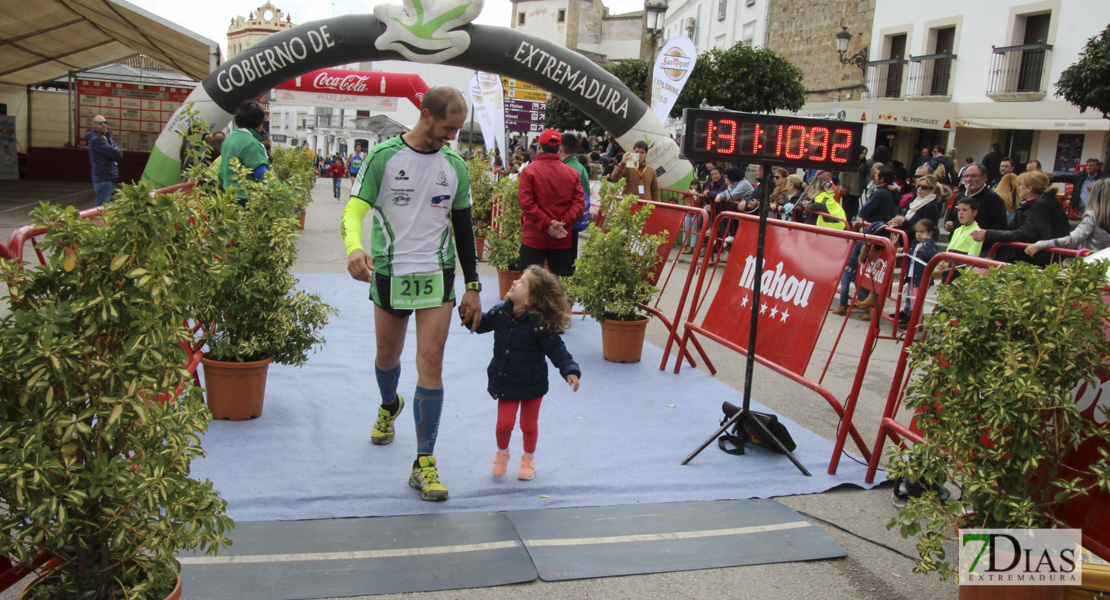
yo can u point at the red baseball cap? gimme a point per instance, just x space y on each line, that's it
550 137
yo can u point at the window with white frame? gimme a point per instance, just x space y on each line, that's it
747 34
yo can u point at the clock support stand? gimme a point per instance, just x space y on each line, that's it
745 415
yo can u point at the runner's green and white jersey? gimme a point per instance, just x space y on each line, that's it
411 195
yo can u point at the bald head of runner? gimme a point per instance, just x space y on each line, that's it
442 115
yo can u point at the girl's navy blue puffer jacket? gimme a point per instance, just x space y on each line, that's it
518 370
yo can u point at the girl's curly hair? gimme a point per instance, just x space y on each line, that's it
547 300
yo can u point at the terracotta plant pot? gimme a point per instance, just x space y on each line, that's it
505 280
27 591
300 216
622 341
235 390
480 245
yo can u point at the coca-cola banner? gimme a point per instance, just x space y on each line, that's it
439 32
801 272
342 88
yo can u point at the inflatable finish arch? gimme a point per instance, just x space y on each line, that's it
398 32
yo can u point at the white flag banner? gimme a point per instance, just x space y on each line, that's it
481 113
672 69
495 106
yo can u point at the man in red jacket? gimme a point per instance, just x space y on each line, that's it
551 199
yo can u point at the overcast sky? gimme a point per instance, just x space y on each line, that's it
210 18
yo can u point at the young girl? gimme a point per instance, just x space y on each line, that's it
923 251
526 328
694 196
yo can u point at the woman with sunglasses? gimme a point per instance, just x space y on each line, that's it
923 206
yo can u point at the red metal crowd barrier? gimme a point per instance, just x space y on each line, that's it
674 220
802 267
1090 513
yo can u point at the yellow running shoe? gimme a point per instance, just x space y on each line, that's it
425 478
382 433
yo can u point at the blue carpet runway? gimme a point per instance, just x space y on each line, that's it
617 441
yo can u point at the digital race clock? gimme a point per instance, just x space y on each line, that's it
745 138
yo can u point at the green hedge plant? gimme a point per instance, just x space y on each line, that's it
613 275
254 310
294 168
482 193
993 393
94 458
504 243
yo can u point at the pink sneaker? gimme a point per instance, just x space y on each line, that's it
527 468
500 463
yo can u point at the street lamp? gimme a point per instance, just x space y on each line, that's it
653 22
858 59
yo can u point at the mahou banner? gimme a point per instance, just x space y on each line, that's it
672 69
801 272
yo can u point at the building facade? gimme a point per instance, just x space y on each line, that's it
718 23
584 26
804 32
970 75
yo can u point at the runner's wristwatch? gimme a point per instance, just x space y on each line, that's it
474 285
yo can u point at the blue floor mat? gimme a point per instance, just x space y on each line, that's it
607 541
618 440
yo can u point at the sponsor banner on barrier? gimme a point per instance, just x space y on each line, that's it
797 286
1091 512
672 68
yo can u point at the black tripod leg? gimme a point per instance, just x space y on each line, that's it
754 421
726 425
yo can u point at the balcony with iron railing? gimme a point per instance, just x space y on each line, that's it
884 78
322 121
930 77
1019 73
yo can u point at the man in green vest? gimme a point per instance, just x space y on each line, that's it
245 144
568 153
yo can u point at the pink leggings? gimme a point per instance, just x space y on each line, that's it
529 422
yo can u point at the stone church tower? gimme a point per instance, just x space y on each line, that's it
263 21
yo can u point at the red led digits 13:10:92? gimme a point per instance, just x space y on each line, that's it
748 138
776 141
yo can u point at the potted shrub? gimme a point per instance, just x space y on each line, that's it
504 246
996 372
613 277
294 168
99 420
482 192
254 314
